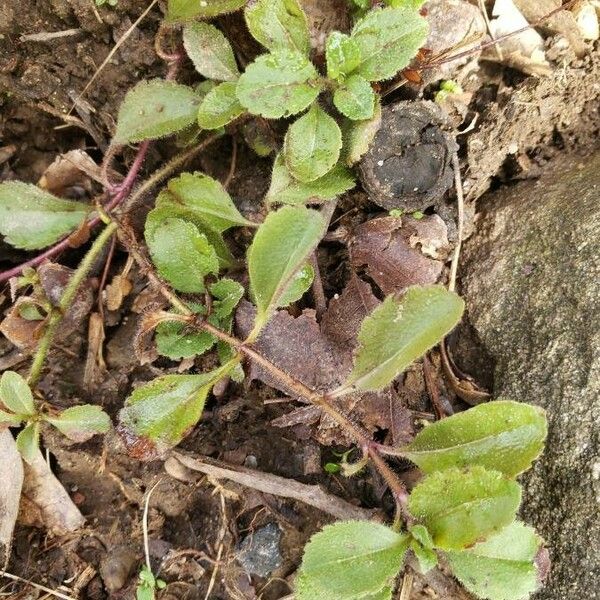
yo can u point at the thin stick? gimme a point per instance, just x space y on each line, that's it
232 165
488 25
37 586
317 288
66 300
461 219
222 532
145 525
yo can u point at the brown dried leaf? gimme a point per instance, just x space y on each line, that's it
397 251
11 467
116 291
95 367
23 333
73 169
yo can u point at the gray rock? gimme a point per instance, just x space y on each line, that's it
531 279
259 552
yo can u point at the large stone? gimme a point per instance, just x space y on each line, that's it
531 279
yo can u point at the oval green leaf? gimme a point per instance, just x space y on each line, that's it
502 435
285 189
158 415
278 25
182 255
460 507
154 109
501 568
278 85
219 107
16 395
398 332
342 54
184 10
312 145
351 560
355 98
280 248
28 442
206 198
31 218
210 52
358 135
388 39
80 423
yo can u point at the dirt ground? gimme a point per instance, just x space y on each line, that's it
196 523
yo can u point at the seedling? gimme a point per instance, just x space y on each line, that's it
464 508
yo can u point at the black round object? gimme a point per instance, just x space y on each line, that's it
408 165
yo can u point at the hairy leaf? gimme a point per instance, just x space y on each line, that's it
207 199
285 189
182 255
501 568
159 414
154 109
414 4
398 332
9 420
80 423
351 560
16 395
279 84
175 342
184 10
299 285
31 218
168 207
281 246
28 441
219 107
426 557
359 135
460 507
388 39
210 52
226 295
355 98
502 435
312 145
342 54
278 24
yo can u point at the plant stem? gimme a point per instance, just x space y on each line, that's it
56 316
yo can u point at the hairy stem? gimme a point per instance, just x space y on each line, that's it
57 314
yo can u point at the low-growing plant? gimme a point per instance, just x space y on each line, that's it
464 508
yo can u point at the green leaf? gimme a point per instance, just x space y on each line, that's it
278 25
413 4
9 420
207 199
219 107
422 536
31 218
388 39
159 414
501 568
28 441
278 85
342 54
80 423
299 285
312 145
174 342
358 135
280 248
426 558
460 507
167 207
398 332
182 255
184 10
16 395
227 294
154 109
210 52
351 560
355 98
285 189
502 435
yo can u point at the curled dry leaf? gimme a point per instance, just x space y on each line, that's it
11 467
73 169
116 291
400 251
43 489
21 332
